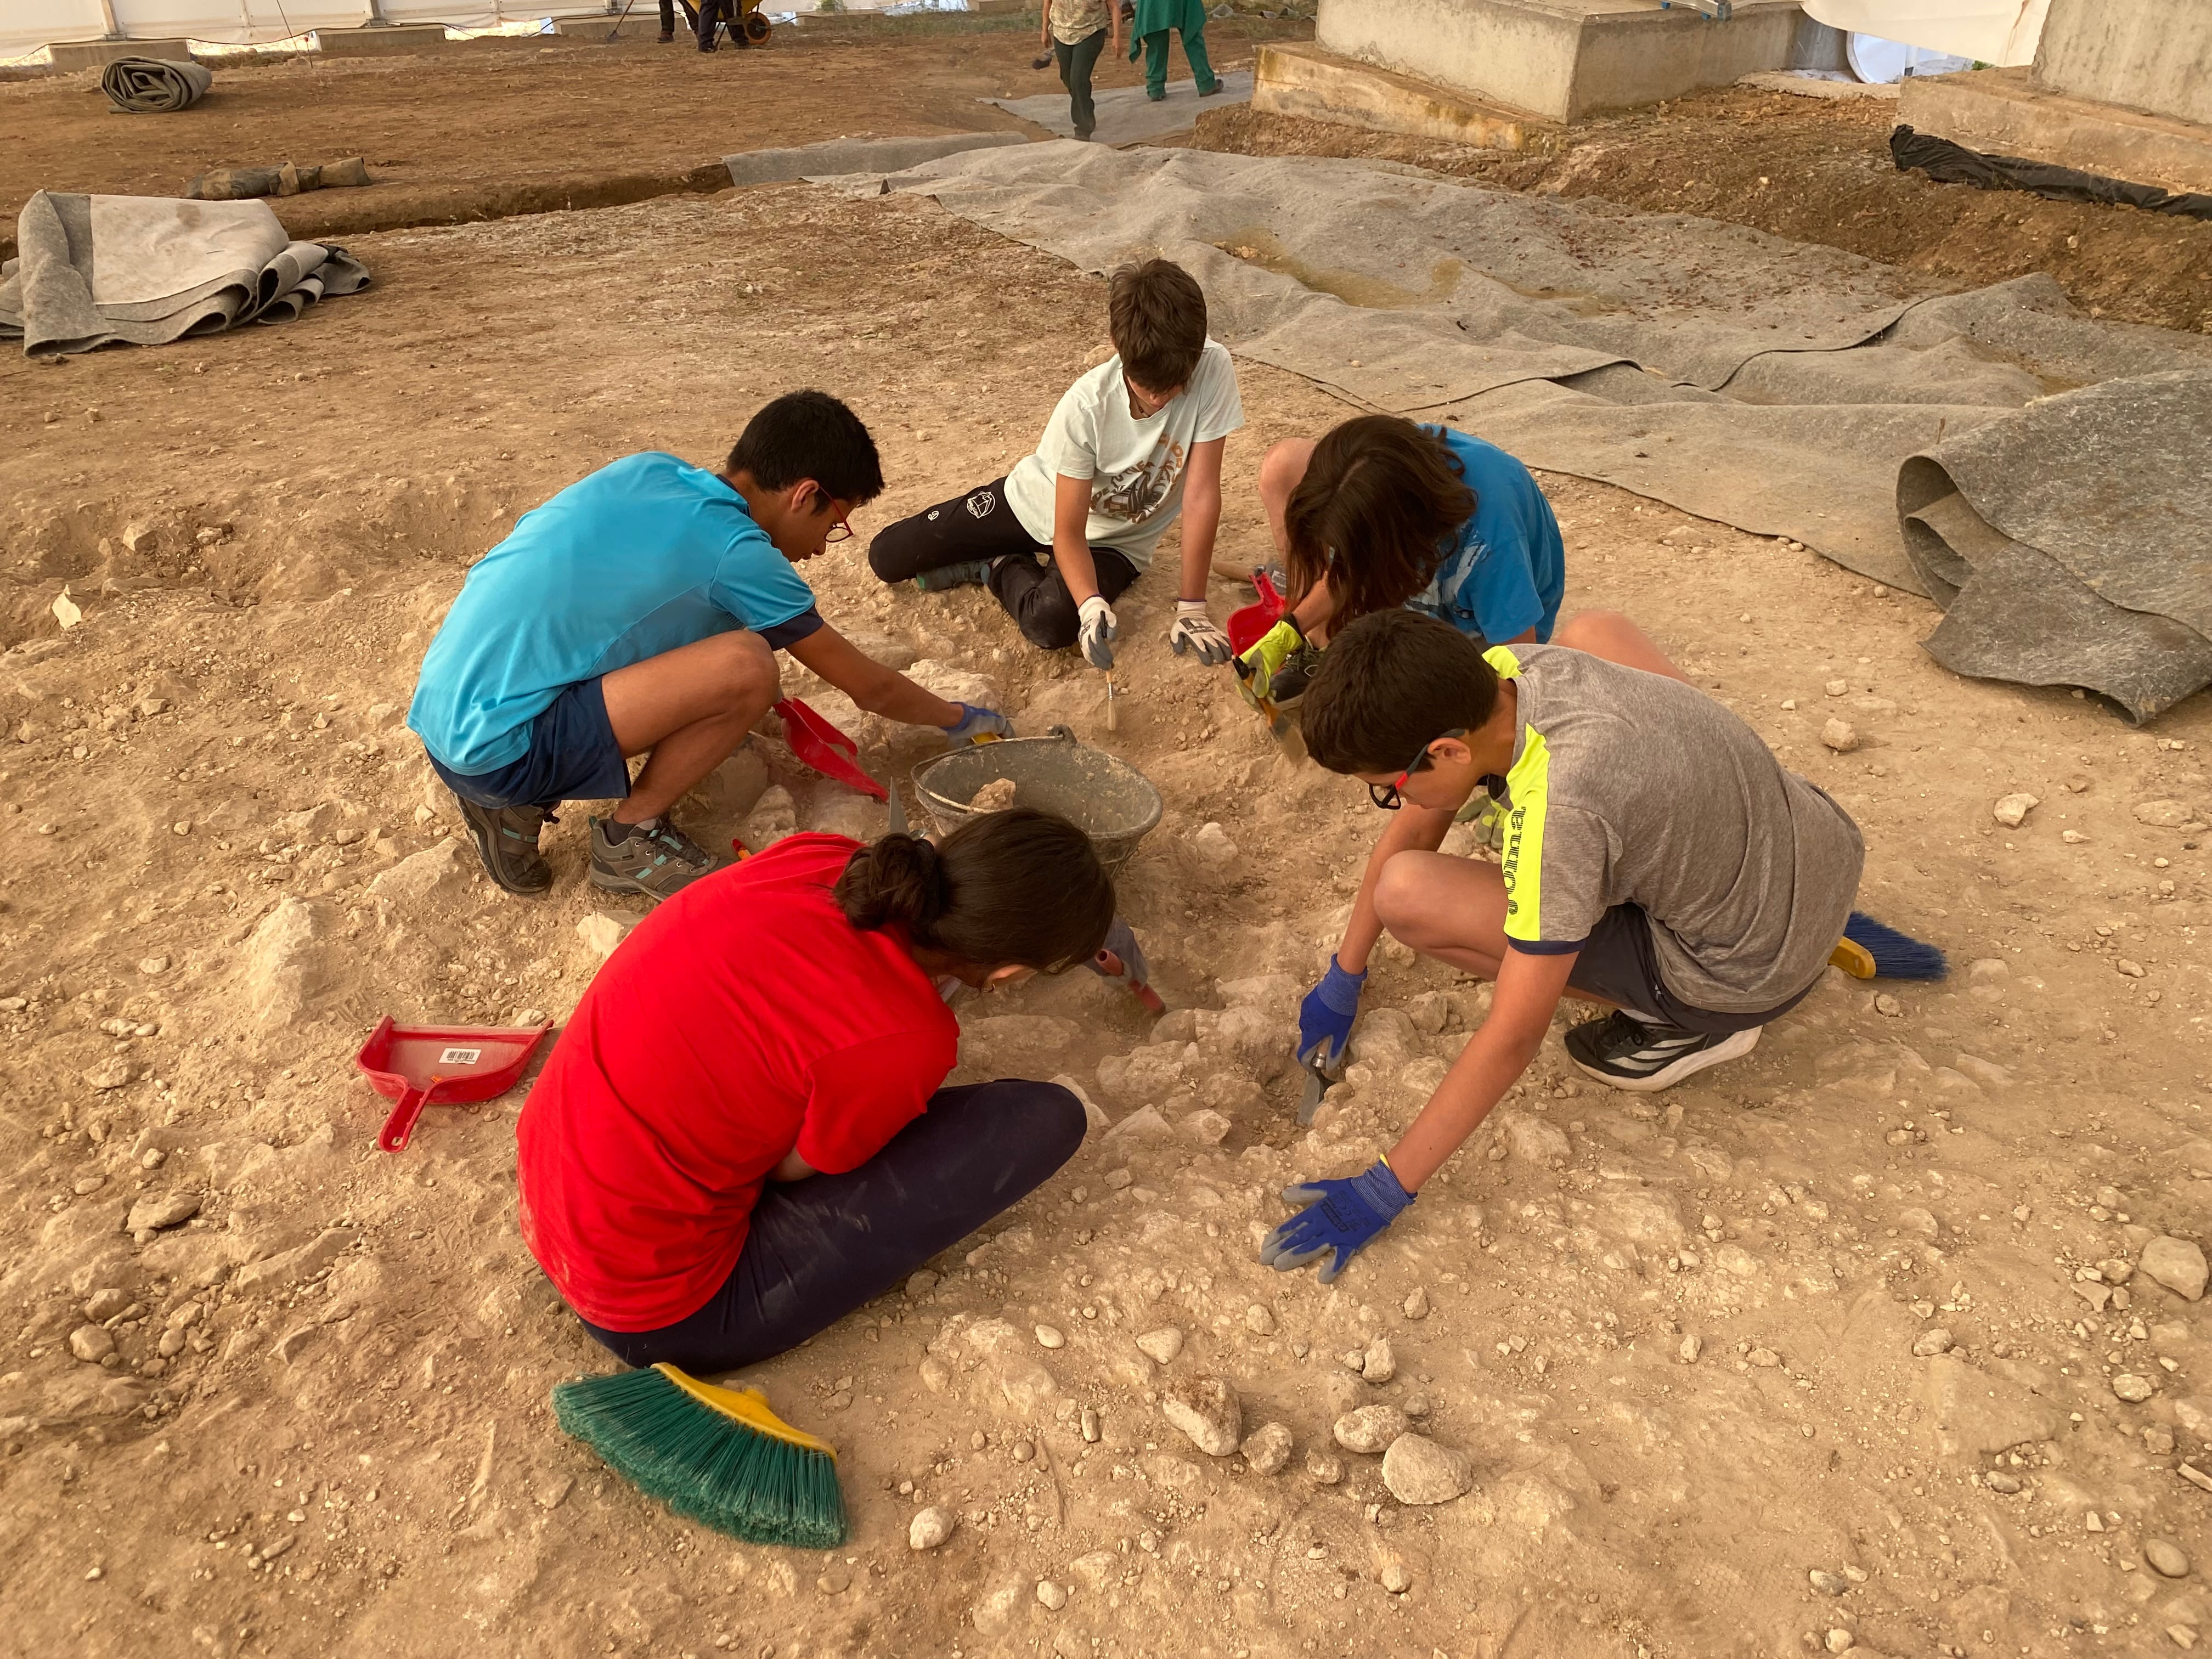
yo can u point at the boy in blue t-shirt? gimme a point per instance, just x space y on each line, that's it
639 611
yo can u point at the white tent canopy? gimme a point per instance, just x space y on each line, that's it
2001 32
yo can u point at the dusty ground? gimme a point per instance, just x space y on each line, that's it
1675 1337
1815 170
496 127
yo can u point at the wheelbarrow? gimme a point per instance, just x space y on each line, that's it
419 1065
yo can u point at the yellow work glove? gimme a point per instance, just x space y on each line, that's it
1257 667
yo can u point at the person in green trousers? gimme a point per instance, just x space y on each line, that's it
1187 18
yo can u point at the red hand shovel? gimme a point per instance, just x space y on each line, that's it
419 1065
820 744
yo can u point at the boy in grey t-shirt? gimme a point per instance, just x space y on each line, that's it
1656 858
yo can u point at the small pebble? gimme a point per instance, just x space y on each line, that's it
1691 1348
1380 1361
91 1343
1206 1410
2000 1480
2166 1558
1268 1449
2132 1388
1052 1596
1371 1429
1840 1641
1260 1320
1324 1468
1090 1425
1396 1579
1024 1451
1930 1343
1163 1344
1828 1584
2012 811
1840 735
1417 1305
1049 1337
930 1527
1837 688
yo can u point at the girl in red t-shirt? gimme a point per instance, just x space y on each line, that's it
742 1134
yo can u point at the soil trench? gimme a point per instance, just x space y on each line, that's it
1882 1338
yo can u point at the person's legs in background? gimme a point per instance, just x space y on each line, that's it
709 14
820 1247
1202 68
667 20
1156 65
1076 63
1036 594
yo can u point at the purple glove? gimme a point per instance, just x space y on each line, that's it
1339 1216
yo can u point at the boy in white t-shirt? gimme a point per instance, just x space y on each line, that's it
1133 442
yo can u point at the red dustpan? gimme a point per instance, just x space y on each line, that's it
419 1065
1247 625
821 746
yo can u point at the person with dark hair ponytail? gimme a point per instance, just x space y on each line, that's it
744 1133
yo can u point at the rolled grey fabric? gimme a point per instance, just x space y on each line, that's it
153 85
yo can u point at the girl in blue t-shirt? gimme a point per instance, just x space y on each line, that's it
1382 512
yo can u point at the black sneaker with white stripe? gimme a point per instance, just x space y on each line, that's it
1627 1053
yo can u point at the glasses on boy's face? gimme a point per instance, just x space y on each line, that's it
840 531
1391 796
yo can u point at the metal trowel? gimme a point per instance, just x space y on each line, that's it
1318 1083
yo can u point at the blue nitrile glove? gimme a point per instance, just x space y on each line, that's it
1325 1016
1343 1216
975 724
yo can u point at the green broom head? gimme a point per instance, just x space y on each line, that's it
717 1456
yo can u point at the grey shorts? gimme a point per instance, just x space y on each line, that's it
1619 962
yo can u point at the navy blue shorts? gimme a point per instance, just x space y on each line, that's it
572 755
1619 963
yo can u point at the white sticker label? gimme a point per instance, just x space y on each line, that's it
460 1057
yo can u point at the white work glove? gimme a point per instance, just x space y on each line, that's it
1098 631
1195 630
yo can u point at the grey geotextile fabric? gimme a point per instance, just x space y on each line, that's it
2071 544
153 85
97 270
1779 386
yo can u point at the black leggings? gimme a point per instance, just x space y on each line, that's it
980 526
822 1246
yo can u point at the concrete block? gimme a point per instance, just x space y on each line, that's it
642 24
1561 59
1304 81
380 41
97 54
2151 56
833 156
2002 110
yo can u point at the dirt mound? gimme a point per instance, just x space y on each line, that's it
1813 170
268 1391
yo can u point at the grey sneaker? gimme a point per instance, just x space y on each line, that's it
655 862
507 842
974 574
